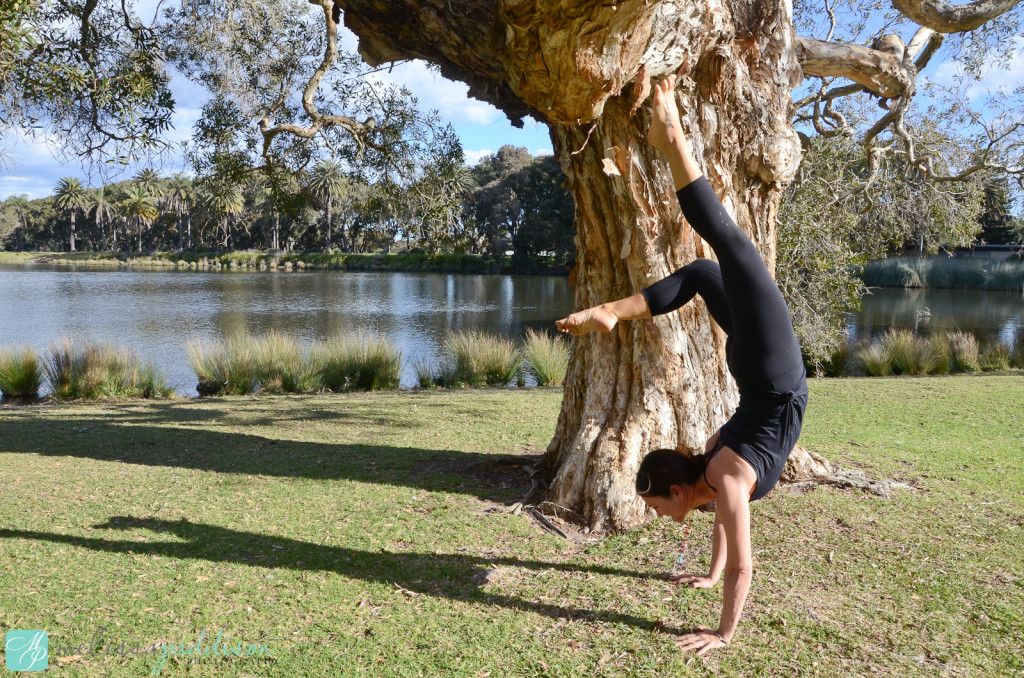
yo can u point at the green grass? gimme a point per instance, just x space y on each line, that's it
354 535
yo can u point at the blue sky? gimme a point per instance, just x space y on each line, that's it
34 167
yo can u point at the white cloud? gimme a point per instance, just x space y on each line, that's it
474 157
994 78
543 151
448 98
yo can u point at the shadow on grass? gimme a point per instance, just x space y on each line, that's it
178 435
453 576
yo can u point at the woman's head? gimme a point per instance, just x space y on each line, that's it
661 469
666 481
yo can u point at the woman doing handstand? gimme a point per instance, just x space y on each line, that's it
744 459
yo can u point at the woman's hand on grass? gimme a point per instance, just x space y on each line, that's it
701 640
694 581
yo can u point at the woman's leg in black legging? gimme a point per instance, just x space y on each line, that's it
764 347
703 277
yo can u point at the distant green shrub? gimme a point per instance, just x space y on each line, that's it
946 273
547 355
20 374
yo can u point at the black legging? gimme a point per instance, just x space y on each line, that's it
762 350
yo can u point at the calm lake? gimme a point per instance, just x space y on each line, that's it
157 312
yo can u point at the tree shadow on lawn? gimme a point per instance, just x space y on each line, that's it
453 576
162 436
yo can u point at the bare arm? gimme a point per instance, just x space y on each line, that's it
732 512
733 508
718 559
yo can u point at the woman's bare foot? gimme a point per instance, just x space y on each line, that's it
593 319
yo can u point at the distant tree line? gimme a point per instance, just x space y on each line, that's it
510 201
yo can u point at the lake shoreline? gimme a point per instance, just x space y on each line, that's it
312 261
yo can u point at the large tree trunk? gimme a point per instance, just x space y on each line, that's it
585 68
72 230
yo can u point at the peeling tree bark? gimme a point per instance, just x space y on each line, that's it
583 68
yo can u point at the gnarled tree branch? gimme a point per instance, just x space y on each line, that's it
946 18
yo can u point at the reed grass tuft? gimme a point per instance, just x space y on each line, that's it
963 349
20 374
547 355
357 362
92 370
995 357
474 358
874 360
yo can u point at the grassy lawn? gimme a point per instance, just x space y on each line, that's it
355 535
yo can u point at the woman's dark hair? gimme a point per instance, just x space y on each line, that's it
661 469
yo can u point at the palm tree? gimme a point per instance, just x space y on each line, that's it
225 200
71 196
102 208
139 207
19 203
328 183
266 201
180 195
151 182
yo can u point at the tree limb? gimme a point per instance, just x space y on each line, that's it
875 70
945 18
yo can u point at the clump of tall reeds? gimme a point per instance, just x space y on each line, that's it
283 365
900 347
939 358
547 355
94 370
963 349
473 358
357 362
995 357
874 360
1017 358
20 374
225 367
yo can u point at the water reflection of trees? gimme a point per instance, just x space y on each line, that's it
990 316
